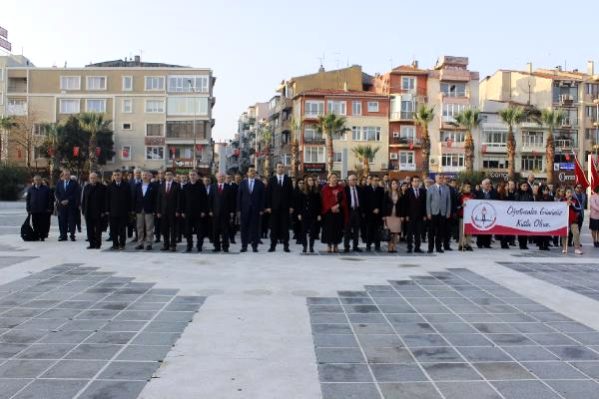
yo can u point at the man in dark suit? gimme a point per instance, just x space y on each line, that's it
373 198
234 227
487 192
355 201
194 208
93 209
144 206
118 207
168 205
39 205
250 204
67 197
158 181
414 207
221 204
279 204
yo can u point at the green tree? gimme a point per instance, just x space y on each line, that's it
512 117
331 126
366 154
266 139
423 117
93 123
7 123
551 119
468 119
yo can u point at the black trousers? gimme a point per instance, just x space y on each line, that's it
67 218
157 229
250 229
483 241
372 230
523 242
94 231
352 229
414 227
220 233
279 227
40 223
451 228
118 230
168 224
309 231
193 225
436 232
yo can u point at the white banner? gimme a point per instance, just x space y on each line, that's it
484 217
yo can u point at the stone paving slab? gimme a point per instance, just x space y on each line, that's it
450 334
77 332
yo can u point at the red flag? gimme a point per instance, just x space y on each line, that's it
98 151
594 175
449 142
51 151
75 151
567 157
484 148
580 176
125 153
199 147
19 153
411 146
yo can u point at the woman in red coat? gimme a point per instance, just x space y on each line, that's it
334 213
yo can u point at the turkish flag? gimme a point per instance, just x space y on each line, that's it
411 146
580 177
567 157
98 151
594 175
199 147
125 153
75 151
484 148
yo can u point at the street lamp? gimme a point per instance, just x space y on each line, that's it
193 124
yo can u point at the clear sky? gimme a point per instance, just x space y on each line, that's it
252 45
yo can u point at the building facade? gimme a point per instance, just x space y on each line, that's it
161 114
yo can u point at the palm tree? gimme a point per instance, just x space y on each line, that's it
266 138
551 119
93 122
423 116
7 123
512 116
331 125
366 154
52 131
468 119
295 126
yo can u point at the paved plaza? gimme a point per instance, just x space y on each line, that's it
491 324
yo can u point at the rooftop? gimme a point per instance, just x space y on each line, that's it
340 93
135 62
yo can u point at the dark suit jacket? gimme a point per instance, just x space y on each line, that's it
145 203
373 199
362 205
194 199
279 198
414 208
492 194
221 204
250 202
118 200
169 203
93 204
38 199
71 193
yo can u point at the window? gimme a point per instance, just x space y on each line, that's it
70 83
127 83
154 106
154 129
453 89
407 109
154 83
337 157
451 110
532 162
592 89
336 107
40 129
373 106
371 133
127 126
185 129
96 83
452 160
188 84
17 106
495 163
356 133
69 106
154 153
314 154
180 152
314 108
1 98
532 139
495 138
185 106
406 160
127 105
408 83
407 134
126 153
357 108
286 159
455 136
95 105
312 135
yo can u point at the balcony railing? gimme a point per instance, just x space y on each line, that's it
16 109
492 147
565 143
407 141
407 166
314 140
313 114
403 115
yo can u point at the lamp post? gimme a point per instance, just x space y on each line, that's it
193 124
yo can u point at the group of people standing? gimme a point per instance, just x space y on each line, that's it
165 208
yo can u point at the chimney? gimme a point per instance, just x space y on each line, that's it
529 67
321 69
137 59
591 67
344 86
415 64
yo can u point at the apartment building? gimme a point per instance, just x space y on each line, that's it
161 114
366 116
572 92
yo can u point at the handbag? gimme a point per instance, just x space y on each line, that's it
384 234
27 232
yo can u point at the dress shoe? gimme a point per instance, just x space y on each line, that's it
346 251
91 247
173 249
216 250
409 251
243 250
226 250
148 247
271 249
72 238
255 249
164 249
62 239
114 248
157 240
200 249
418 251
356 249
440 251
140 246
367 248
430 251
448 249
189 249
286 249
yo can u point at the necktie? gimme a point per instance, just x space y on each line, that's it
416 193
220 188
168 187
355 197
281 181
251 186
65 185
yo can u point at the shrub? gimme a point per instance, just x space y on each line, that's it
12 180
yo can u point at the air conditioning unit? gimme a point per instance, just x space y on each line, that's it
393 156
395 135
383 166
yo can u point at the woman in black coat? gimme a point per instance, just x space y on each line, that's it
309 207
524 194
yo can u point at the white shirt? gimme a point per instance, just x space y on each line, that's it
251 184
144 188
281 179
354 197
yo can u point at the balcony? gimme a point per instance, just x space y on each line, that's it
409 167
494 147
283 103
314 140
16 108
566 100
455 75
405 142
565 144
402 116
17 85
313 115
